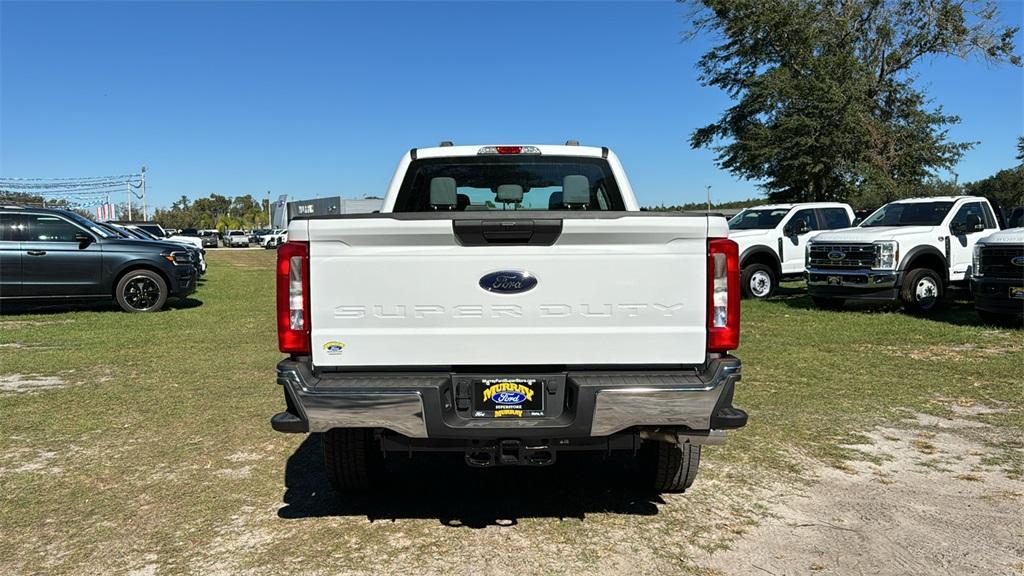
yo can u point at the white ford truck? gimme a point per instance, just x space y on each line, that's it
908 251
998 277
773 240
509 303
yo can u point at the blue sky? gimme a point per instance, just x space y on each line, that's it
322 98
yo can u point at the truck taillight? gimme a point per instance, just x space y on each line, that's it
723 295
293 297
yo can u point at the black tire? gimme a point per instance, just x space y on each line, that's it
669 467
141 291
922 291
828 303
758 281
352 460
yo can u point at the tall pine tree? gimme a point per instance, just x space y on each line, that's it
825 102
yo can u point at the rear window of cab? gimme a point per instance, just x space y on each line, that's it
508 183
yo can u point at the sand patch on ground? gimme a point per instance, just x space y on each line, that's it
24 461
955 352
15 324
929 506
23 383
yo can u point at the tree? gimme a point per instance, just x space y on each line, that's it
216 211
826 107
696 206
1005 187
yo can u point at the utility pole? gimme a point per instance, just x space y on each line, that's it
708 190
145 210
129 201
269 223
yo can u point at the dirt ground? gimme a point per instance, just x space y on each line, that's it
930 505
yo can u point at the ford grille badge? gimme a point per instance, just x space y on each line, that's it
1018 261
836 255
508 281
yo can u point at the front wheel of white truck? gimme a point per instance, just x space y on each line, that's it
352 460
669 467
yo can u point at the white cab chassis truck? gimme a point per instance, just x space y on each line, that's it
998 277
509 303
773 240
908 251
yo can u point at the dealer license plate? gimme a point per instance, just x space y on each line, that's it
508 398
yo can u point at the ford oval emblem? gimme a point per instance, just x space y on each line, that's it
836 255
1018 261
508 398
508 281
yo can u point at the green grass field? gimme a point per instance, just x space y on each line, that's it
147 447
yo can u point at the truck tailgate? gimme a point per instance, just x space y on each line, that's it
404 292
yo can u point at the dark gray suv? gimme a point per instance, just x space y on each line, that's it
57 254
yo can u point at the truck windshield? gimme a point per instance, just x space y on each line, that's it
761 219
909 214
511 182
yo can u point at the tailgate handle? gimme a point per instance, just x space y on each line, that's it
505 231
508 231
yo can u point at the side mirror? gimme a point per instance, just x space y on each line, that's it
974 224
798 228
83 240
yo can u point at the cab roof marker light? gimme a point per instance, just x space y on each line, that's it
488 150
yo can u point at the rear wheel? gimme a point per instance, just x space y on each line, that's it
827 303
922 291
141 291
759 281
669 467
352 460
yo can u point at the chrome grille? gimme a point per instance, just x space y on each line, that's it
997 261
852 256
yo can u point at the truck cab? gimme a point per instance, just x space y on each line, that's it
908 251
510 303
772 240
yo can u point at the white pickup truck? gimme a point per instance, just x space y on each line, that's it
998 277
274 238
509 303
773 240
908 251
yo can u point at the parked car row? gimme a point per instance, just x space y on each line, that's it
274 238
58 254
231 238
908 251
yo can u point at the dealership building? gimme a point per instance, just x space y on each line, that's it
284 210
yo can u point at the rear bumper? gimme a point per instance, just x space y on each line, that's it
592 403
993 295
853 284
